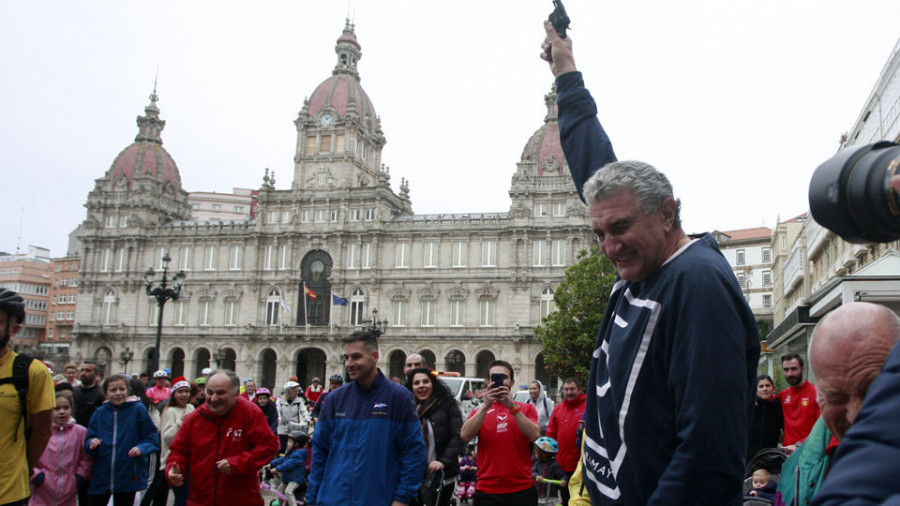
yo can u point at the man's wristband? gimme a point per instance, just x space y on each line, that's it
515 410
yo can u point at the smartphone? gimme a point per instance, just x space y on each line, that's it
497 380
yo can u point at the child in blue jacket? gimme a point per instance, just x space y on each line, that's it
292 467
121 436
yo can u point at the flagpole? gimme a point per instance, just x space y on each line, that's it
305 309
331 316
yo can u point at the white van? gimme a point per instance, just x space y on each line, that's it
463 390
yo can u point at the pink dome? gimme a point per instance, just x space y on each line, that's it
337 92
544 144
144 158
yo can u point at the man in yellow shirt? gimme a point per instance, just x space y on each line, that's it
20 453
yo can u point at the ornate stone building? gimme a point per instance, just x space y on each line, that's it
461 289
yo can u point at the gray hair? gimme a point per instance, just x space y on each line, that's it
649 186
235 380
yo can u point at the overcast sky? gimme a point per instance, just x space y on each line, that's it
736 101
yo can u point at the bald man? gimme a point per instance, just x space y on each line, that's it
867 461
848 348
413 361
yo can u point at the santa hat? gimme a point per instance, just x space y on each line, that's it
180 382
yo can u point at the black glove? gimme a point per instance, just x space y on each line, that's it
37 480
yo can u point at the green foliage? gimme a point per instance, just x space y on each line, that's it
568 334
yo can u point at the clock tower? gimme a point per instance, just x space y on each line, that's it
339 136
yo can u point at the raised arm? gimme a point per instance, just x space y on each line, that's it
584 142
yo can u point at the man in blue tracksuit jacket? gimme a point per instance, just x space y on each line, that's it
368 446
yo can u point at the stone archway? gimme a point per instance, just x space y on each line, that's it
176 362
455 361
396 361
482 363
429 358
148 356
315 271
103 358
268 369
548 379
310 364
201 361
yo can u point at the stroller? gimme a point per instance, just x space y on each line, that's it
769 459
434 487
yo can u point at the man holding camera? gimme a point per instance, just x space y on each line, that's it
505 430
674 366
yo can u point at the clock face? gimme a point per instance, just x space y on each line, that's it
327 119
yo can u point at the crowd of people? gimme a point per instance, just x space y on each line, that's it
672 412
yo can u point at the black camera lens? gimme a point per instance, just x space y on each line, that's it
850 194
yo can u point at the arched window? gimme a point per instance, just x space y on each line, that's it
108 313
547 304
357 306
273 299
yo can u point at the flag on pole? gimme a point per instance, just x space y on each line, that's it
284 304
337 300
309 293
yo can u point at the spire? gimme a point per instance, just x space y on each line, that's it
550 102
348 51
150 126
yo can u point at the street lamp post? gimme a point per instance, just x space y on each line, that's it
162 293
376 327
126 356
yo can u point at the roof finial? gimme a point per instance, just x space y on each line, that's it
153 96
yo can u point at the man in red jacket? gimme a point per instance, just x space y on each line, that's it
563 427
222 445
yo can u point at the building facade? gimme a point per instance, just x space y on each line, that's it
240 204
28 274
749 252
271 296
64 274
816 270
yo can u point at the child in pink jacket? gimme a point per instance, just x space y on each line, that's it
64 460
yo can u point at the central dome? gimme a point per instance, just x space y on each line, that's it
342 92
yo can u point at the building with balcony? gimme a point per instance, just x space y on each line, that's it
817 271
270 296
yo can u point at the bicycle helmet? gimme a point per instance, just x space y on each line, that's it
160 374
12 304
289 385
263 391
548 444
336 378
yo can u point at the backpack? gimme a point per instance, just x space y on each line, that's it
19 379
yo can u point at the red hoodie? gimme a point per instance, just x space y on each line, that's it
242 436
563 427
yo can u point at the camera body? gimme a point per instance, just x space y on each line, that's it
851 194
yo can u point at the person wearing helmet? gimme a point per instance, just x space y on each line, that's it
545 467
159 392
21 452
263 399
335 381
292 467
292 413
